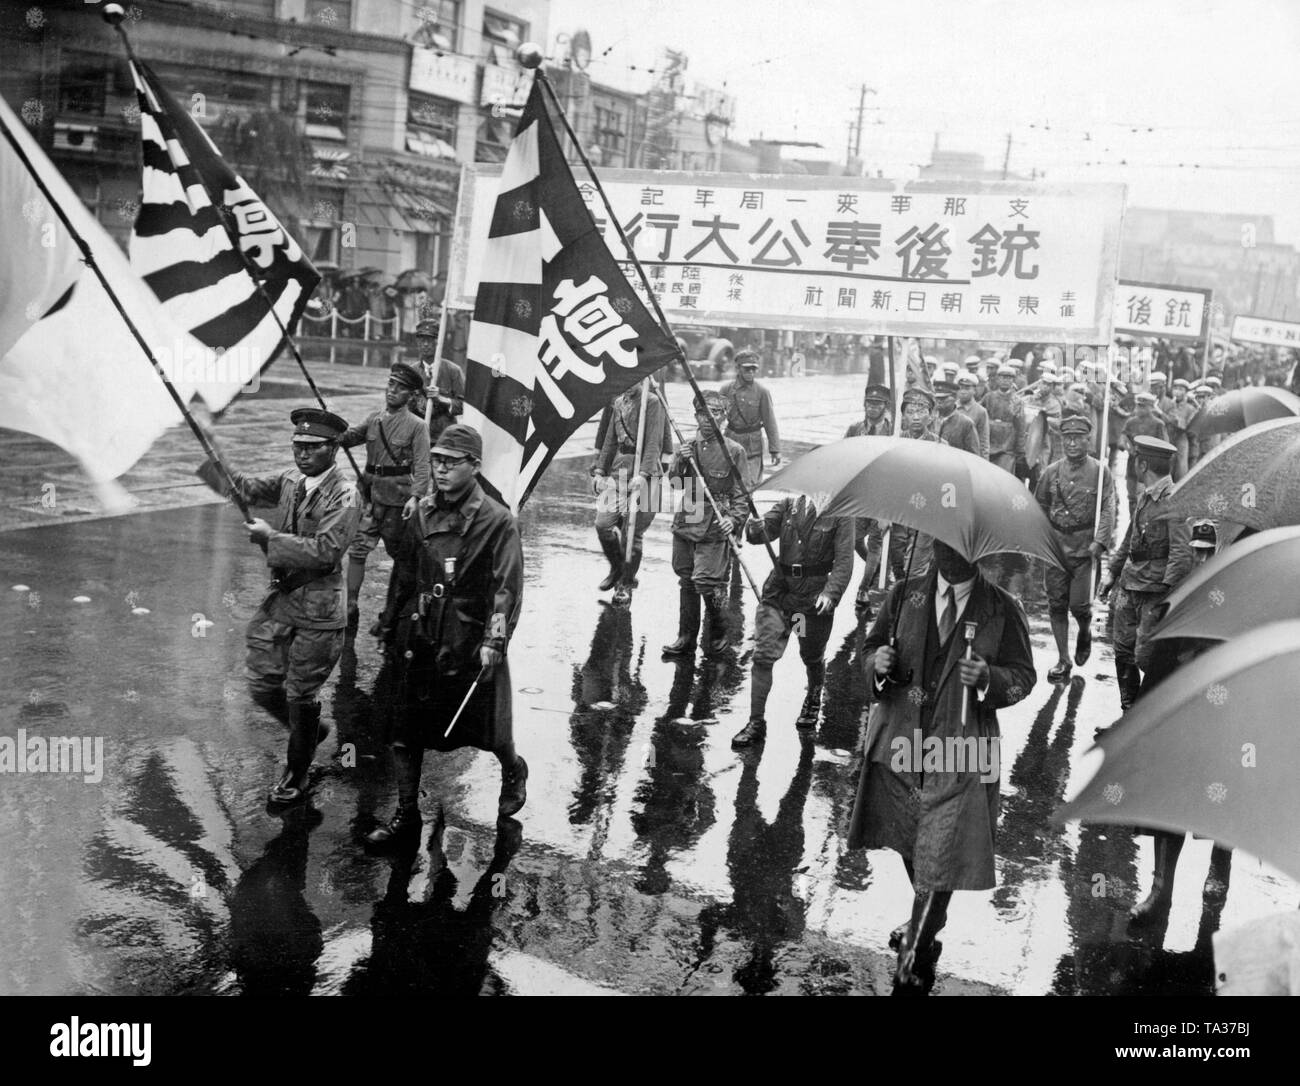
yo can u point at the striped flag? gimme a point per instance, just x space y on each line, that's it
185 248
558 331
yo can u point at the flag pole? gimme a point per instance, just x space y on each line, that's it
885 538
654 301
1103 459
437 363
635 473
113 15
88 258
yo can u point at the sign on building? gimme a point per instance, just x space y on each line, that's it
1169 312
1267 331
505 86
444 75
997 260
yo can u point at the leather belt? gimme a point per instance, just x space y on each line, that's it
801 570
388 471
744 429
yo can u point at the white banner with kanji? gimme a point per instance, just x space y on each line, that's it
1265 330
1167 312
995 260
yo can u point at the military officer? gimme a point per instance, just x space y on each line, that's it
1154 556
1067 493
296 637
876 421
750 414
397 475
1006 415
968 405
446 381
953 427
615 475
701 553
458 595
816 556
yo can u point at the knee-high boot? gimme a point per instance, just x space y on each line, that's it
812 702
688 623
718 641
609 543
305 733
919 952
1167 848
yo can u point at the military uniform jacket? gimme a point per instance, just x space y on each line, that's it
806 540
1135 427
958 431
697 522
619 447
449 381
882 427
1156 554
327 521
1006 412
405 435
1068 496
980 418
749 410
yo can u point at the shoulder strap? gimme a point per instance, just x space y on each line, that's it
387 447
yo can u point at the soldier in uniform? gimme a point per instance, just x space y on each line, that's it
459 594
1047 399
967 385
446 382
397 475
701 554
615 476
296 637
816 555
1178 413
749 414
954 427
1158 383
1067 493
1154 557
1143 423
876 423
1006 415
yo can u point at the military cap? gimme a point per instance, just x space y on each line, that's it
1213 381
1145 397
1157 377
1204 534
714 401
918 395
311 425
1078 386
1180 382
1006 370
459 440
1153 448
1047 364
877 392
427 327
746 360
1067 374
1049 377
968 379
1074 423
1201 387
407 375
1016 364
930 360
971 360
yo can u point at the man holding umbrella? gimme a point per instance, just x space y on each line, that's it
960 653
1067 493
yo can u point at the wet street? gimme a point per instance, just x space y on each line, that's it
650 858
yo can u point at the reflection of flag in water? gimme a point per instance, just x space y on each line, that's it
557 332
181 246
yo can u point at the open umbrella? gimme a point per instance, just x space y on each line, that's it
1249 479
1213 750
413 279
950 494
1224 598
1244 407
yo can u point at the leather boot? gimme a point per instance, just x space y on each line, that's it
919 952
514 791
1157 903
1130 682
628 581
404 826
1083 643
718 642
688 624
812 702
614 552
751 734
356 575
305 733
1216 882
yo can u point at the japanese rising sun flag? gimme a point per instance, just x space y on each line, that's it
185 247
557 331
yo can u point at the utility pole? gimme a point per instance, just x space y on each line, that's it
1006 159
855 127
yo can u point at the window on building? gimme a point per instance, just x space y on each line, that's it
502 35
83 86
431 125
437 25
494 136
609 129
320 232
325 110
331 13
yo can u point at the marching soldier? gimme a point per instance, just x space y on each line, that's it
614 477
459 593
876 423
1154 556
701 554
1143 422
967 386
816 555
446 381
749 413
1047 400
1067 493
1006 414
1178 413
296 637
397 475
954 427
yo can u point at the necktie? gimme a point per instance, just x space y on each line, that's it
948 620
298 495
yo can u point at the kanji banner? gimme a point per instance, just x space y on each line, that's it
995 260
1155 309
1265 330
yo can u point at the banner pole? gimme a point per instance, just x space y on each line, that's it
635 473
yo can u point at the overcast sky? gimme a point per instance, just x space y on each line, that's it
1217 80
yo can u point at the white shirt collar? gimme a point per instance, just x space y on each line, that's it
313 481
961 592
